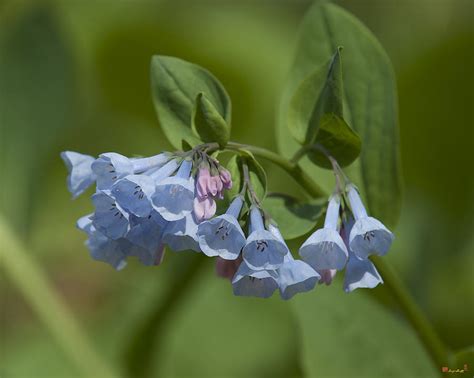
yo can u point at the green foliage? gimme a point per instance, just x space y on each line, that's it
208 123
341 331
294 217
369 98
175 85
37 99
257 175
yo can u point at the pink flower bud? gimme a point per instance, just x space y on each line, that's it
204 208
203 183
227 268
226 178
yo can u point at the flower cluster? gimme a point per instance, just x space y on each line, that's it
346 242
145 204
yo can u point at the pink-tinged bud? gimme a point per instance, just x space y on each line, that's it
160 254
204 208
327 275
203 183
213 185
226 178
227 268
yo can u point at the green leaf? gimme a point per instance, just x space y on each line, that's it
175 85
294 217
318 94
208 123
337 138
464 358
347 335
370 102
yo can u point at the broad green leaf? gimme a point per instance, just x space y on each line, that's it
319 94
346 335
370 102
294 217
208 123
338 139
175 85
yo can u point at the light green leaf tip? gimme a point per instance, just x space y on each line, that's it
208 123
175 84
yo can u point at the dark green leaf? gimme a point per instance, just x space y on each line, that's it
319 94
337 138
208 123
258 177
370 103
175 85
294 217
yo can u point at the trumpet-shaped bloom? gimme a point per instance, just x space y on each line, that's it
254 283
325 248
109 218
360 274
134 192
181 235
174 196
222 236
262 250
109 168
80 175
368 235
294 276
147 233
101 247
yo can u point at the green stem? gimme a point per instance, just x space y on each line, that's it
32 283
294 170
420 323
434 345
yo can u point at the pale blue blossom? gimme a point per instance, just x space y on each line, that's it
147 233
325 248
222 236
254 283
262 249
80 175
368 235
360 273
110 167
174 196
133 192
109 218
101 247
181 235
294 276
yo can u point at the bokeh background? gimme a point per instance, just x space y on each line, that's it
74 75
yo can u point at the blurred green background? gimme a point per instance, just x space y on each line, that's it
74 75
